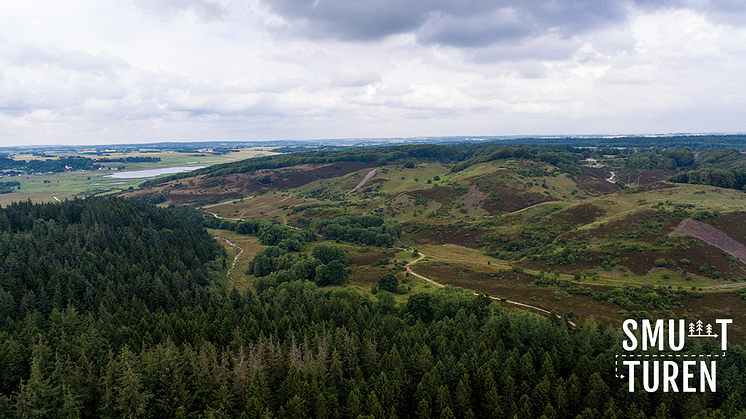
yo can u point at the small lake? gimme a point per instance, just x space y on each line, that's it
136 174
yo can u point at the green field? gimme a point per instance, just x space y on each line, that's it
66 185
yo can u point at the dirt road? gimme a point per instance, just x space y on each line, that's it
408 266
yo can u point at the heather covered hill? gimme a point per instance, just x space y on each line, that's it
540 207
523 211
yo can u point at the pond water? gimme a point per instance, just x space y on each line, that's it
136 174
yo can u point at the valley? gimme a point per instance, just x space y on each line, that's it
559 236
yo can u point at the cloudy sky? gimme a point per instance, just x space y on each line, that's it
128 71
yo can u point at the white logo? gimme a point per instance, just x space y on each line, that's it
667 370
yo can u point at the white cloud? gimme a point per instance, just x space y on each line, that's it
122 71
167 9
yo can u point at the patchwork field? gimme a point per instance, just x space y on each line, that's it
66 185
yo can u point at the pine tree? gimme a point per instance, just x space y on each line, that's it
124 393
33 400
295 408
423 410
71 406
258 396
373 406
462 396
662 412
447 414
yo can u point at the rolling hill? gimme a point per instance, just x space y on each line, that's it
541 224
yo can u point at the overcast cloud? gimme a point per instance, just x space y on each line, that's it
123 71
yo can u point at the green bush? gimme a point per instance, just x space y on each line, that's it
389 283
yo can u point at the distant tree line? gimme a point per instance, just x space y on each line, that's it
673 159
722 178
564 157
7 186
7 163
685 160
60 164
624 145
721 168
722 159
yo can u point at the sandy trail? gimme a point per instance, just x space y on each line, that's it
422 256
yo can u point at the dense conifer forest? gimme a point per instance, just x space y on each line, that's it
115 308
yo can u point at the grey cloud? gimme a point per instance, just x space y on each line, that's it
447 22
13 101
206 10
730 12
473 31
472 23
350 20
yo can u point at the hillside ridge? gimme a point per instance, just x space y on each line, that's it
711 235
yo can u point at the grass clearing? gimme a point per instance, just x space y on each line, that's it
267 205
250 246
453 253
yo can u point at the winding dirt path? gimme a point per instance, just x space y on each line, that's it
232 201
222 218
408 266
